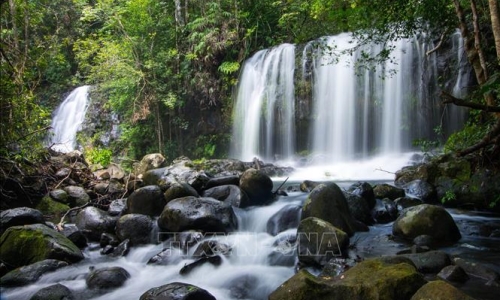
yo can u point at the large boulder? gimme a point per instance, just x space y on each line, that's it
31 273
385 190
147 200
258 186
77 195
135 227
93 222
422 190
206 214
178 190
363 190
385 211
107 278
438 290
359 208
230 194
429 262
327 202
319 241
177 291
426 219
19 216
149 162
51 209
54 292
24 245
286 218
371 279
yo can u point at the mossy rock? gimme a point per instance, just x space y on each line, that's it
438 290
51 209
370 279
24 245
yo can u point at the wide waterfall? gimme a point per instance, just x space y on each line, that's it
322 103
67 119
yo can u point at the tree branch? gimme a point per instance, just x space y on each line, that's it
438 45
448 98
491 138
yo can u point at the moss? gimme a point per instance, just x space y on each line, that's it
52 210
22 247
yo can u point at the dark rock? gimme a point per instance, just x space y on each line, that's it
122 249
258 187
422 190
93 221
286 218
59 195
307 186
336 266
108 239
168 256
385 211
54 292
177 291
107 278
385 190
117 207
284 251
77 195
477 269
179 190
244 287
453 274
30 273
437 290
429 220
205 214
24 245
101 188
359 208
74 234
219 181
365 191
19 216
327 202
135 227
429 262
147 200
184 240
424 240
51 209
230 194
108 249
213 260
319 241
405 202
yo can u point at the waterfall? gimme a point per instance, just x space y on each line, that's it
67 119
352 113
265 108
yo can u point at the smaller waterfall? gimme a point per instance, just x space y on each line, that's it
67 120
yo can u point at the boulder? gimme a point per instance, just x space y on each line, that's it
179 190
422 190
116 172
363 190
222 180
53 210
117 207
24 245
327 202
107 278
30 273
258 187
319 241
59 195
385 211
147 200
177 291
286 218
453 274
385 190
230 194
74 234
307 185
135 227
211 248
359 208
167 256
429 262
77 195
438 290
479 270
93 221
371 279
149 162
205 214
429 220
213 260
54 292
245 287
405 202
19 216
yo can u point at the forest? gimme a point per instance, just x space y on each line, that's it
169 68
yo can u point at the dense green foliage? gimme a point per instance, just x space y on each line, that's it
168 68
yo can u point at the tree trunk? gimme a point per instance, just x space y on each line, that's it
495 24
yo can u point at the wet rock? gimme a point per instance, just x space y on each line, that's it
107 278
154 176
205 214
327 202
307 186
213 260
147 200
286 218
77 195
223 180
424 240
372 278
385 190
19 216
53 210
74 234
363 190
108 239
117 207
429 262
230 194
284 252
405 202
101 188
359 208
24 245
211 248
122 249
177 291
385 211
244 287
478 270
93 221
184 240
30 273
108 249
437 290
453 274
179 190
258 187
336 266
59 195
422 190
54 292
135 227
429 220
168 256
319 241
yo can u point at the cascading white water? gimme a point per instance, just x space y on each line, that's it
266 89
67 120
